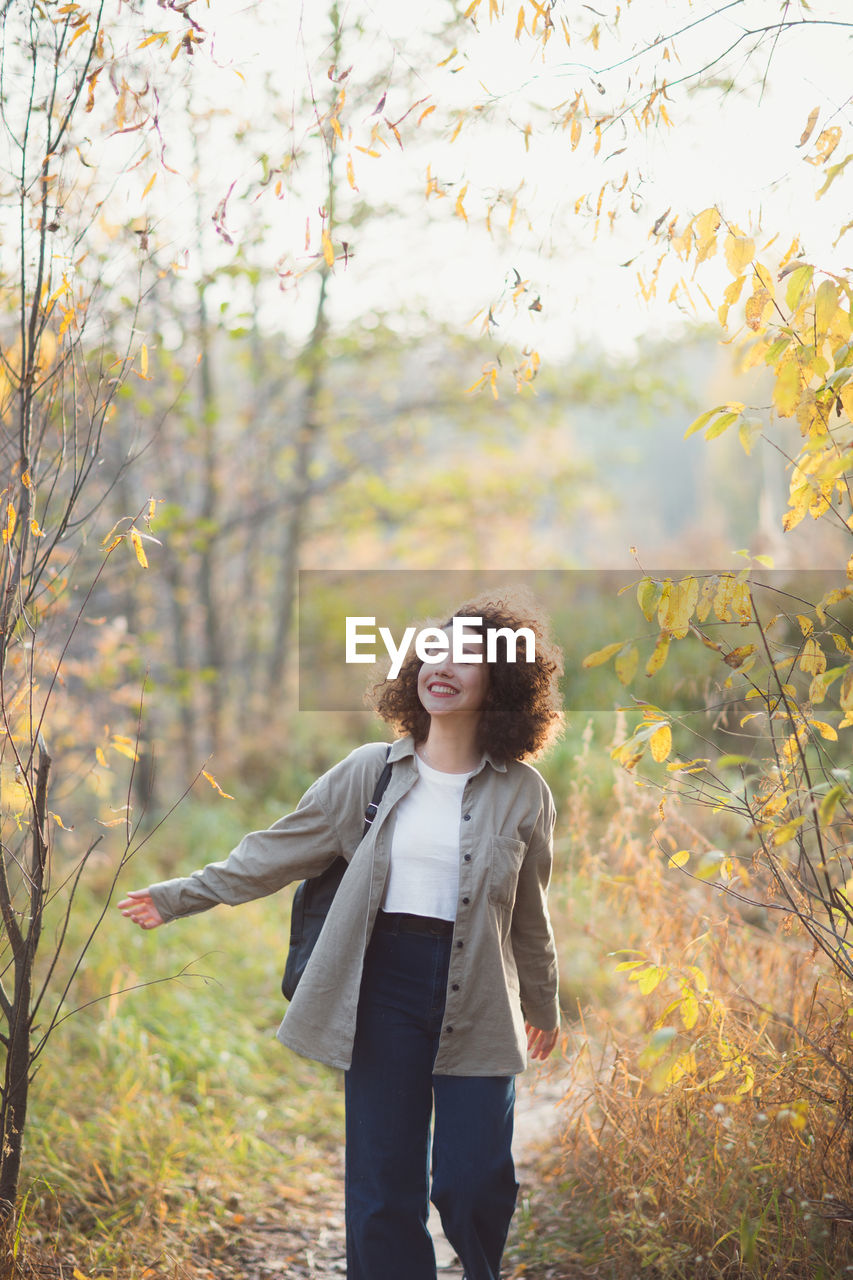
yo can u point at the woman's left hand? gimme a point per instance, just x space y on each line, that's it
540 1043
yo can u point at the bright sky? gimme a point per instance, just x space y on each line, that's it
738 150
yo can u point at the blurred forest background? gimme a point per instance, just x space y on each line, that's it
341 291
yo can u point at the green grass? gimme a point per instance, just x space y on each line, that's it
161 1112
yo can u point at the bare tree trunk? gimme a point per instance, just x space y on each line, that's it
212 649
307 436
181 655
24 942
314 360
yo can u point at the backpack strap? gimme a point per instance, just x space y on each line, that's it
378 793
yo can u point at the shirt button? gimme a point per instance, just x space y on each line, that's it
466 857
460 944
454 986
448 1030
465 901
466 817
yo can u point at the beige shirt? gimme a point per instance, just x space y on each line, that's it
503 966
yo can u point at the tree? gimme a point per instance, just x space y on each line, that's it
77 88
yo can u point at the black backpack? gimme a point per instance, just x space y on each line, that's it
313 898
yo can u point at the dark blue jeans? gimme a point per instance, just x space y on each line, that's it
390 1095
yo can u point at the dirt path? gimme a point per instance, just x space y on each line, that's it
306 1242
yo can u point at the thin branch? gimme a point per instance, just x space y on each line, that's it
109 995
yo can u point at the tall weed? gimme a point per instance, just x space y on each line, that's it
706 1127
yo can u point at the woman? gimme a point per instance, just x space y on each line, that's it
435 973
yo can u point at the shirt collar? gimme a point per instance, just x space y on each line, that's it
404 748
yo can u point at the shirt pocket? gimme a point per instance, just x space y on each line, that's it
505 858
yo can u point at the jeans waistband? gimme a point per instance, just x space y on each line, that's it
403 922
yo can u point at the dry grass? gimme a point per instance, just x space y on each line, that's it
707 1129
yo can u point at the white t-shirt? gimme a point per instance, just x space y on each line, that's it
424 875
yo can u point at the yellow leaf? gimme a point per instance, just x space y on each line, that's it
705 227
679 859
143 361
784 833
733 408
742 602
336 126
696 765
425 113
81 30
798 282
825 306
162 36
660 743
351 172
786 392
328 251
519 26
600 656
723 596
125 746
459 207
825 730
576 132
737 657
60 823
11 521
825 145
215 784
812 658
809 126
626 664
757 307
136 540
689 1010
830 803
149 184
659 653
748 432
682 602
740 251
36 529
69 315
101 758
684 1065
649 979
649 593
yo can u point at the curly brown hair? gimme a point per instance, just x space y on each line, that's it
522 713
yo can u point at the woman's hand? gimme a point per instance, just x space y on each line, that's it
540 1043
139 907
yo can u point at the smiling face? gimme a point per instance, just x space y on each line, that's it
449 688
